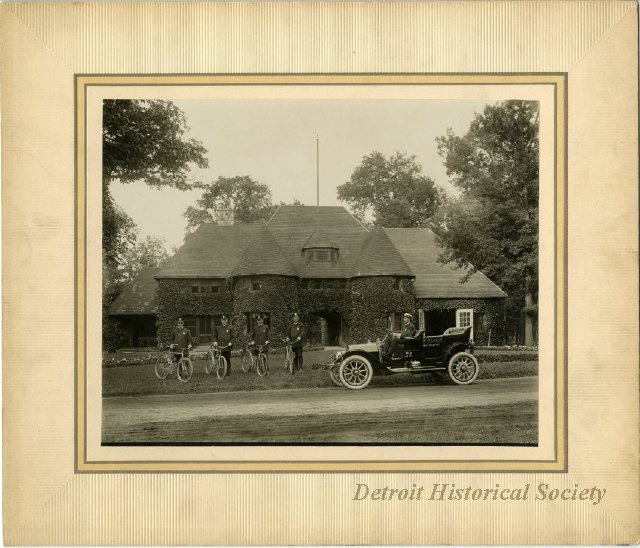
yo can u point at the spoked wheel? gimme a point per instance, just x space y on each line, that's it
355 372
247 361
163 366
208 363
261 365
289 361
463 368
221 368
185 369
335 376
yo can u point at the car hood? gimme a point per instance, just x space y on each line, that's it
368 347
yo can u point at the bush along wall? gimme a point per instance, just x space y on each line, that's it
372 300
493 310
175 299
277 296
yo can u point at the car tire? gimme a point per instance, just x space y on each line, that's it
335 376
355 372
463 368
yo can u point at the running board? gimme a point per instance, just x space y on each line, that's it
414 369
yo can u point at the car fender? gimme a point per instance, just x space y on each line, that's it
454 349
372 357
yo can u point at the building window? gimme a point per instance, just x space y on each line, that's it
394 321
321 255
215 289
256 285
251 319
195 289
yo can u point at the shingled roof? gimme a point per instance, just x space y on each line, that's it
138 297
435 280
318 239
264 256
379 257
212 251
293 226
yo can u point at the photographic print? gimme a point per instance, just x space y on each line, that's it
329 273
295 252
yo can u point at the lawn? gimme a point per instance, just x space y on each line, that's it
137 380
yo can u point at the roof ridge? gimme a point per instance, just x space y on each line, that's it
378 232
250 255
273 214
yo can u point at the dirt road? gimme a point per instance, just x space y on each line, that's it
129 418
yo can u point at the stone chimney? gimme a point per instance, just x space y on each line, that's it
222 217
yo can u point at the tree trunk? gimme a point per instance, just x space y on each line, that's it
528 319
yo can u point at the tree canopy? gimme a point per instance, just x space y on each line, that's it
142 140
149 252
250 200
393 191
493 225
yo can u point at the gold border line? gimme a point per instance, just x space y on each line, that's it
560 213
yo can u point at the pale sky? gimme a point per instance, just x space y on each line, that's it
274 142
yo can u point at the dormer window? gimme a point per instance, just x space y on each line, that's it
321 255
320 249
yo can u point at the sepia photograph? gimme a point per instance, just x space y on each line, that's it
322 272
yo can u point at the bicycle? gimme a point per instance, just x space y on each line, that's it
288 356
247 359
262 362
216 361
165 365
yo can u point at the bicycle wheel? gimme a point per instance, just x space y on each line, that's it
221 368
261 365
208 363
290 362
247 361
163 366
185 369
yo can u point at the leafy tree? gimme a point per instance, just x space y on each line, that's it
494 224
250 200
392 191
149 252
143 140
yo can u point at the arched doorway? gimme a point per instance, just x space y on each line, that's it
324 328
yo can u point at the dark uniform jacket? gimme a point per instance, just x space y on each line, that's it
181 337
224 335
408 330
260 334
296 330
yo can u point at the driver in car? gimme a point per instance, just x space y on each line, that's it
408 330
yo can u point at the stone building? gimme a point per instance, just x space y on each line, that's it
347 282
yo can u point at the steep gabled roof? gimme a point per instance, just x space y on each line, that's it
293 226
318 239
139 296
212 251
264 256
435 280
379 257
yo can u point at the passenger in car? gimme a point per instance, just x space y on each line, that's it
408 331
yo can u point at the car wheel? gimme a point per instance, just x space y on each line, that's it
355 372
335 376
463 368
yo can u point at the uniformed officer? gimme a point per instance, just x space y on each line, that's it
181 340
408 330
296 336
260 335
223 337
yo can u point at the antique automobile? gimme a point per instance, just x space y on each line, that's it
446 356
